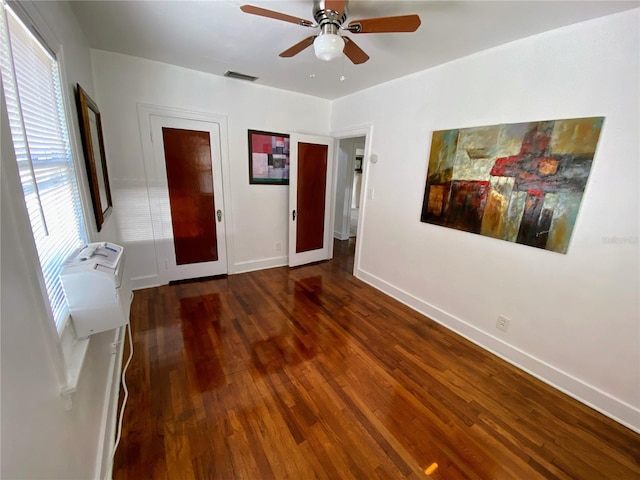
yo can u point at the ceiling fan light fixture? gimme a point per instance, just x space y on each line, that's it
330 17
328 46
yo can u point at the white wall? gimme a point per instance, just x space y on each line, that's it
575 317
343 188
259 212
39 438
357 177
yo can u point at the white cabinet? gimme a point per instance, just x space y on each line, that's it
97 289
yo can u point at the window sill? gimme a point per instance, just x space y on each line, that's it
74 351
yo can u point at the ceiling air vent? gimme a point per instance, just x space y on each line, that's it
240 76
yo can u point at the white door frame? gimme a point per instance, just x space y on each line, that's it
344 230
145 112
361 131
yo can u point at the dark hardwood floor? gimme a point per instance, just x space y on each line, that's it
309 373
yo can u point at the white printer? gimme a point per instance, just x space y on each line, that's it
98 291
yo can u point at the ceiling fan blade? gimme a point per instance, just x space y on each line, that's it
354 52
403 23
335 5
263 12
298 47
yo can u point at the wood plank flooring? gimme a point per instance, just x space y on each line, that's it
309 373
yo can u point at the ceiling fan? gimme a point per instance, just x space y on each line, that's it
330 17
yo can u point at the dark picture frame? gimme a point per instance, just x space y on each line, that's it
268 158
94 155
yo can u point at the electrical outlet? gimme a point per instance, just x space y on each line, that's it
278 246
502 323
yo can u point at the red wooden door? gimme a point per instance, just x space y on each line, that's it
310 193
190 181
190 237
312 180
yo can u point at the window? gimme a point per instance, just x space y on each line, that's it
32 90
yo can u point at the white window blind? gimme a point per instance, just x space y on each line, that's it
41 142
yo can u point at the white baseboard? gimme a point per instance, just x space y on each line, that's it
620 411
104 466
147 281
243 267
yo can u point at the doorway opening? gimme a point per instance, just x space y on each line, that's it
350 163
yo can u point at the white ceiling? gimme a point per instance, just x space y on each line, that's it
215 36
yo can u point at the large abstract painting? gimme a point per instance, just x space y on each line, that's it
519 182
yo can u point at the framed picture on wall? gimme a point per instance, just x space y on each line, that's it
517 182
268 158
94 156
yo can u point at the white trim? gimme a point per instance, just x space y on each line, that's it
104 453
145 111
339 235
367 132
253 265
30 15
620 411
145 281
74 352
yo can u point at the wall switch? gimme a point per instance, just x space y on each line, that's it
370 194
502 323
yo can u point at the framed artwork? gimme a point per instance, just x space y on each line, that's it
268 158
94 156
520 182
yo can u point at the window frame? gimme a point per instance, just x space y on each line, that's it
32 20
